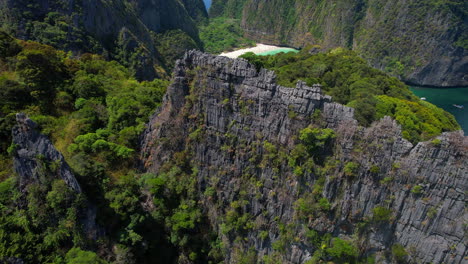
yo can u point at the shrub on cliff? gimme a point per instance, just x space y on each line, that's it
342 250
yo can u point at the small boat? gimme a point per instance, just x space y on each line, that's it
459 106
423 98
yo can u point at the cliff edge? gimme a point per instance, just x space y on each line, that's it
286 174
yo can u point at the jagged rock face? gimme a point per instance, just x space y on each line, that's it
417 40
428 223
36 161
222 111
117 29
32 151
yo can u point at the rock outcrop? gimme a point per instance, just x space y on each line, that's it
367 185
36 161
422 42
33 152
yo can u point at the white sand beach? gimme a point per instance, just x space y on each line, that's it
260 48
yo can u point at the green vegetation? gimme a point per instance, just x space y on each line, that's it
351 168
386 180
381 214
315 144
342 250
385 43
125 33
432 212
316 139
94 111
351 81
78 256
223 34
173 44
399 253
375 169
436 142
336 249
420 120
54 29
418 189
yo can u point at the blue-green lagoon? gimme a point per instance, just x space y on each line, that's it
279 50
446 98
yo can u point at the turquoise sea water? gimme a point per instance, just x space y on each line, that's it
276 51
207 4
445 98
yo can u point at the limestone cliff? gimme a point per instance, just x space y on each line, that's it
269 191
37 161
122 29
422 42
33 151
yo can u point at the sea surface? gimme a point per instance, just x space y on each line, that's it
276 51
207 4
445 98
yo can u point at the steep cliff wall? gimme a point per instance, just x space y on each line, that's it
32 153
423 42
118 29
38 163
281 172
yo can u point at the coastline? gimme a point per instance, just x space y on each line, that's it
446 98
260 48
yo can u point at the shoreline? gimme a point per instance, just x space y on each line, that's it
260 48
433 86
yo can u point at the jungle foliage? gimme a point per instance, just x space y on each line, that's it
94 111
223 34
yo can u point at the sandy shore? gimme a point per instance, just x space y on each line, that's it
260 48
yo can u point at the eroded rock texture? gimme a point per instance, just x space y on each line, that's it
33 152
241 131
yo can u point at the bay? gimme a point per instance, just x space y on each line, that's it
207 4
276 51
446 98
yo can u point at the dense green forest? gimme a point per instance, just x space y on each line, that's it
223 34
94 111
118 30
91 74
351 81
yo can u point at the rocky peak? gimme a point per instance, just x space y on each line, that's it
241 131
33 152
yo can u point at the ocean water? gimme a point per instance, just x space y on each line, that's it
276 51
445 98
207 4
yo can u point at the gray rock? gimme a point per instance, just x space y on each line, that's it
239 108
33 151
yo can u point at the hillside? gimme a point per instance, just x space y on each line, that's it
285 175
223 163
67 165
124 30
422 42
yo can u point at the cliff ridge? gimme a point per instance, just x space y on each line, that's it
274 165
